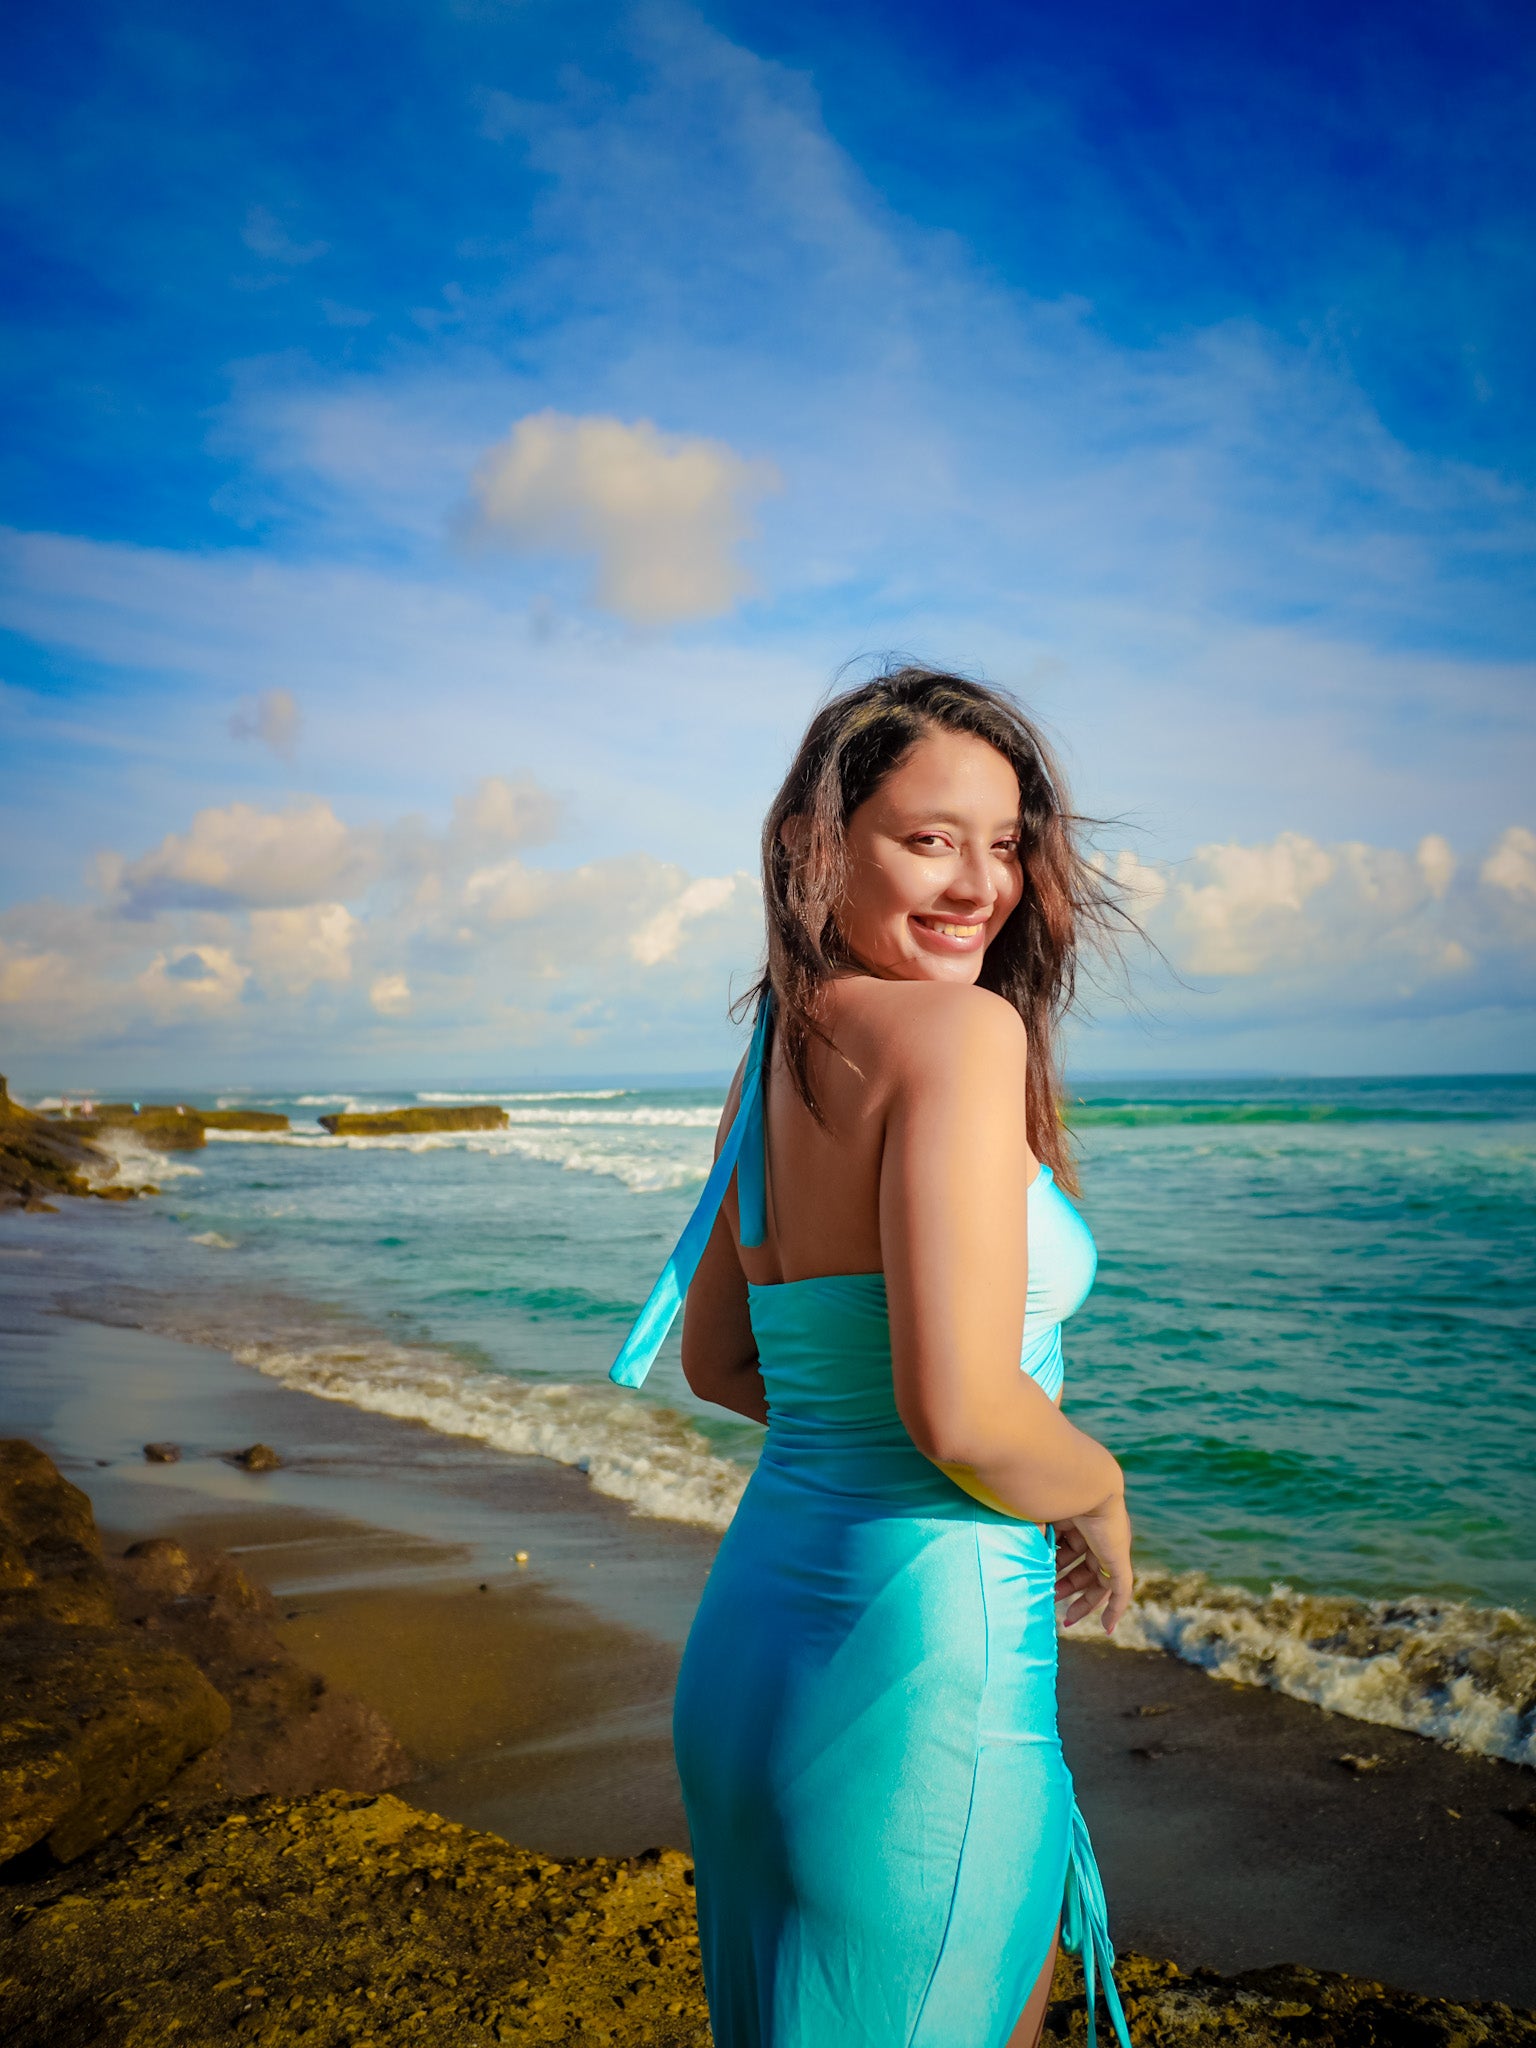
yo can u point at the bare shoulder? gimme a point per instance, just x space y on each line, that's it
906 1033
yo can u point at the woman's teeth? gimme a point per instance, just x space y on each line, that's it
952 931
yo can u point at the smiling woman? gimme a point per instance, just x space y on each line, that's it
887 1840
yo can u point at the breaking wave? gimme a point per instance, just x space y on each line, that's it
1460 1674
137 1165
634 1451
668 1148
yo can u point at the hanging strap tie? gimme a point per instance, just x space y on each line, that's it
1085 1930
743 1144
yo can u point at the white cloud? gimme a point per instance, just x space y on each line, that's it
507 893
1293 925
662 514
659 938
1247 902
199 981
509 813
390 995
292 949
1437 864
273 718
243 855
1512 864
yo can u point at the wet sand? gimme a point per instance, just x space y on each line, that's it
1229 1835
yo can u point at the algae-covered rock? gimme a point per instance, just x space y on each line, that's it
54 1570
257 1458
166 1129
242 1120
337 1921
341 1920
289 1731
1282 2007
40 1158
94 1719
388 1123
92 1724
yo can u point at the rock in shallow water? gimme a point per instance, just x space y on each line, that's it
256 1458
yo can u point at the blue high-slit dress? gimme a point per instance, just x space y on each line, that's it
884 1829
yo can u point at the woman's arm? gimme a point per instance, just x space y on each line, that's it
719 1351
954 1184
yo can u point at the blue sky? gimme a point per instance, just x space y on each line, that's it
449 449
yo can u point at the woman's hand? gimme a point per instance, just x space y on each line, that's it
1093 1563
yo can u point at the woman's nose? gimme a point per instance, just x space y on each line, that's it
971 882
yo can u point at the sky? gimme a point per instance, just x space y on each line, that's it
451 446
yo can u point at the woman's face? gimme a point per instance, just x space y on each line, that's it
933 861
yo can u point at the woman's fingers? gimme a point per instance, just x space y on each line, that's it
1120 1589
1085 1604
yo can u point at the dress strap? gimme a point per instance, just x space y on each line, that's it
1085 1930
743 1143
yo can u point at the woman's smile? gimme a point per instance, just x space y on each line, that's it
949 933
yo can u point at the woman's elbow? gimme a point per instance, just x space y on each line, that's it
946 1436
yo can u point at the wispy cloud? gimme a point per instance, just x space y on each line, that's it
273 719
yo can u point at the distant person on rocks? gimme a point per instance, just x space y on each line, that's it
888 1845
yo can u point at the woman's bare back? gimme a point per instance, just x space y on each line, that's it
823 1182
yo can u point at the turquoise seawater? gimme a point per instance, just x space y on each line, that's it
1311 1339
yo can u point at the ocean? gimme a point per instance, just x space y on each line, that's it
1310 1342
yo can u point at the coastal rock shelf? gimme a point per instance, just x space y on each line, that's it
166 1126
40 1158
343 1920
389 1123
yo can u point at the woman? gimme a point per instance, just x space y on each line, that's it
886 1839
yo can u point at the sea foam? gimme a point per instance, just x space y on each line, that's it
1461 1674
579 1141
635 1451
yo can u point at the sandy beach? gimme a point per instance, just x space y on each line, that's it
533 1698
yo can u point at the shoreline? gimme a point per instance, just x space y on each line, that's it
1229 1836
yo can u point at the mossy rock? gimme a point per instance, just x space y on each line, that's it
242 1120
167 1129
388 1123
41 1158
335 1921
94 1720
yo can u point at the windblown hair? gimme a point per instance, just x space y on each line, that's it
857 739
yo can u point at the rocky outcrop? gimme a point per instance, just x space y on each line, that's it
388 1123
337 1920
289 1732
157 1674
167 1126
93 1719
40 1159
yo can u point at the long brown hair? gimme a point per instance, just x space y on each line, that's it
856 740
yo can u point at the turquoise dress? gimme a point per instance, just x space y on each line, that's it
884 1829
